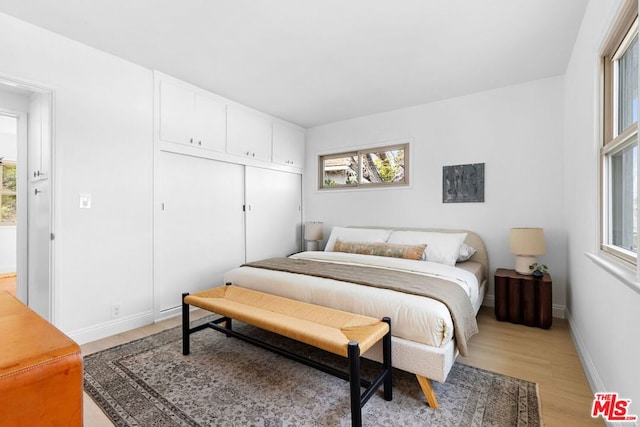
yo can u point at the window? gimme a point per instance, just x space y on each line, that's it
619 153
371 167
7 193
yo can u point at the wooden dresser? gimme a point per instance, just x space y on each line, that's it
40 370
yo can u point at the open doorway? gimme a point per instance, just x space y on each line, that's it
26 231
8 202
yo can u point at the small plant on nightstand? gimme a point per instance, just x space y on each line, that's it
537 270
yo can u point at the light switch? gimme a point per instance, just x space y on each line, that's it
85 201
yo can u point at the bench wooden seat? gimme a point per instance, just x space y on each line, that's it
342 333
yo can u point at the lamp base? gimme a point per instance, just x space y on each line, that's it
523 262
312 245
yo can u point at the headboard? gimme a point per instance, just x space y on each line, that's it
472 239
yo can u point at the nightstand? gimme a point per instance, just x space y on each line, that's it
523 299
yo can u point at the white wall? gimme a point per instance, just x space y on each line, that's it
604 313
103 144
516 131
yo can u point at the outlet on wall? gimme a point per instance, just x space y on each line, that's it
116 309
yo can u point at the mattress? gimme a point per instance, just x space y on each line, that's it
413 317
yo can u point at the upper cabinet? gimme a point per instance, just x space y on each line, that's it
191 117
191 121
288 145
248 134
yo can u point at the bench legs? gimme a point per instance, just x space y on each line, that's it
354 383
353 353
385 378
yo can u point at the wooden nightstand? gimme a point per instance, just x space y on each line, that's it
523 299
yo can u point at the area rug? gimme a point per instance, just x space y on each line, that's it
227 382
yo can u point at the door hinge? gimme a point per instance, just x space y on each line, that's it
53 236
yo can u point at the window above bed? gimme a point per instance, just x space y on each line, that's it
369 167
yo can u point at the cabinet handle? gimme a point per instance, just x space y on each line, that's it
191 140
253 154
248 153
199 142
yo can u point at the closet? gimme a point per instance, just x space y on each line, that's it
222 200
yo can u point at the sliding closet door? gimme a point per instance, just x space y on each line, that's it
199 225
274 215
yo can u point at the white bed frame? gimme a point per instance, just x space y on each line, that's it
427 362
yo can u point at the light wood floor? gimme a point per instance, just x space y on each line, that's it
8 283
547 357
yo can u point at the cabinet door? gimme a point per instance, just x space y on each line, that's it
199 225
177 105
248 134
210 123
274 215
288 145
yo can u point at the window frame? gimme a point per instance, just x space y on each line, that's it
615 140
5 192
359 153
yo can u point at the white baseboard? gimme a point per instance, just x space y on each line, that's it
112 327
7 269
587 363
595 382
556 311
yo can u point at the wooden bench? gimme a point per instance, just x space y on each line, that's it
338 332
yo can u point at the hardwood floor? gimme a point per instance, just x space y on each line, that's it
547 357
8 283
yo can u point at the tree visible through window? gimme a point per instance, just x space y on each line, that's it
370 167
7 193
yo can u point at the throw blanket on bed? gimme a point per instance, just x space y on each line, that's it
450 294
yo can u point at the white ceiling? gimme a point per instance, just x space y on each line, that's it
319 61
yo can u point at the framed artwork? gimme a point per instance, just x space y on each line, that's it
463 183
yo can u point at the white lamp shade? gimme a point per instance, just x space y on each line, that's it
526 241
313 231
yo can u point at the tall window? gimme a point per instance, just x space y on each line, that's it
380 166
7 193
619 153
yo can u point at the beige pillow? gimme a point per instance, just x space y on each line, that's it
413 252
441 247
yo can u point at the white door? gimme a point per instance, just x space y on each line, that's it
176 113
273 213
288 145
39 237
248 134
210 123
199 225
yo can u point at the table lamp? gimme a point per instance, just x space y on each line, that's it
313 234
526 243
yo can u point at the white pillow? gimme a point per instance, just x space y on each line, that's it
466 252
368 235
442 248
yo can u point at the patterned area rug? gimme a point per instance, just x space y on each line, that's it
227 382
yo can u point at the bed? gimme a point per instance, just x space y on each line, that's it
425 341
